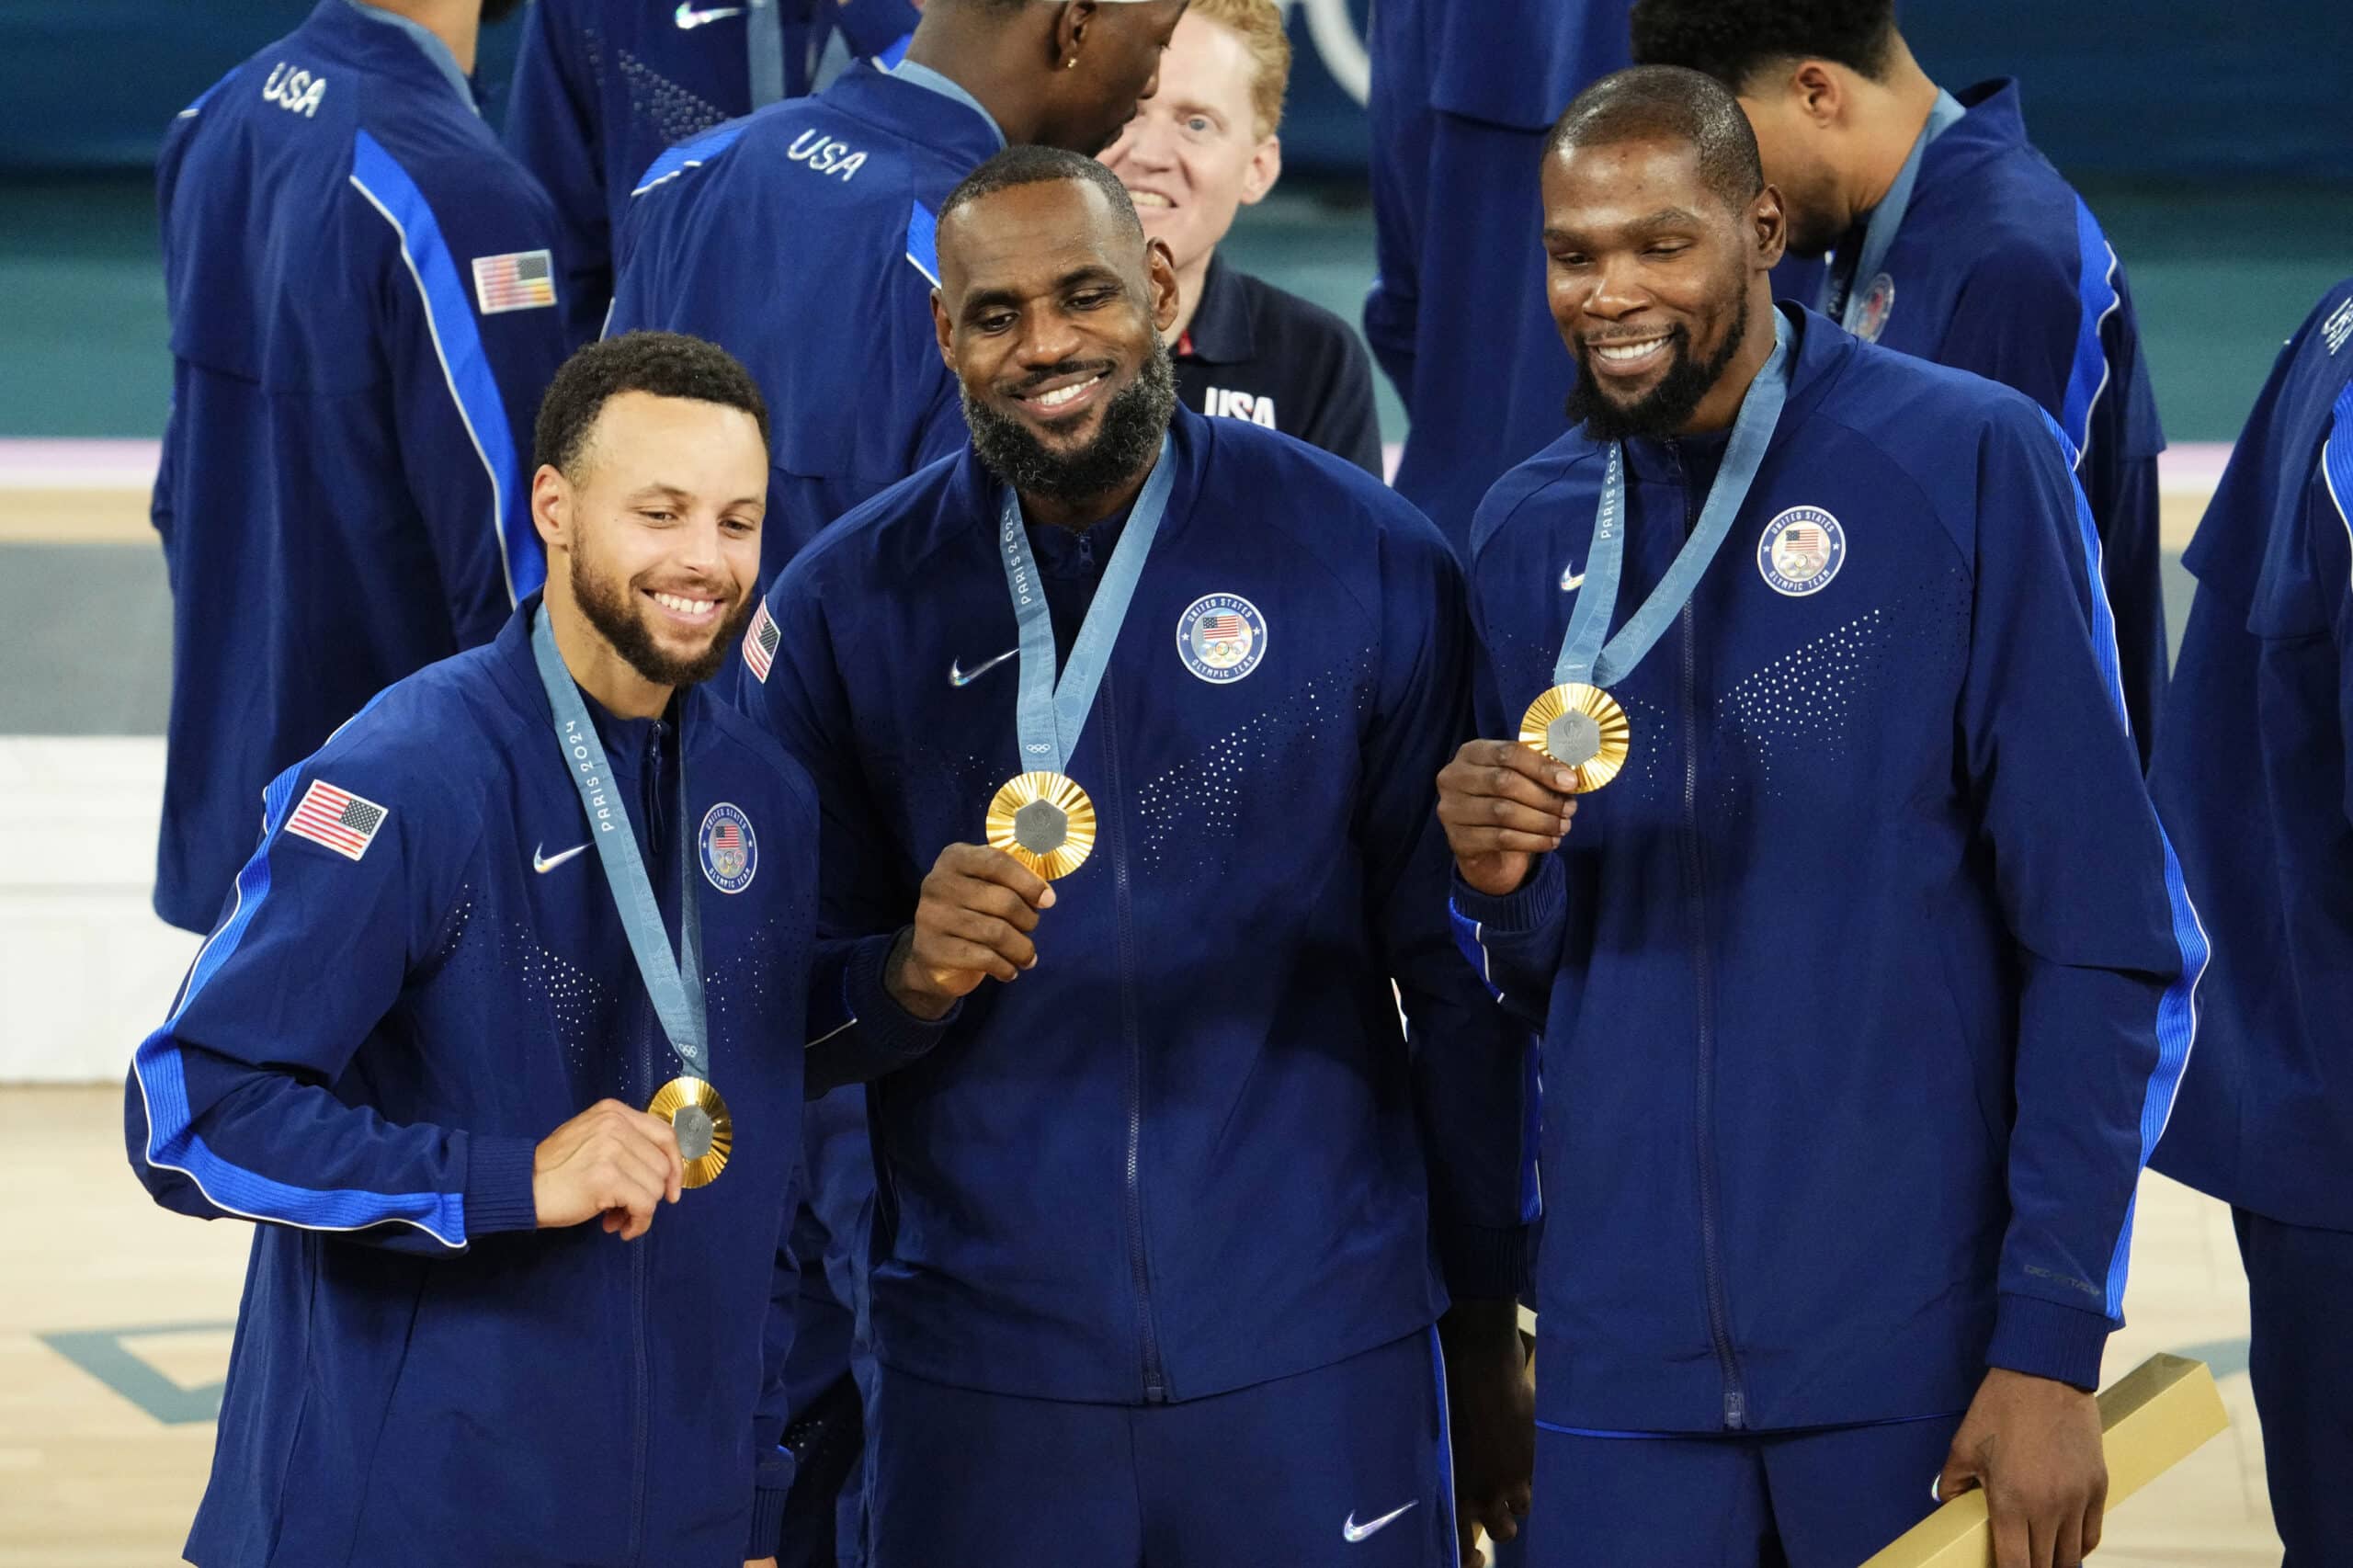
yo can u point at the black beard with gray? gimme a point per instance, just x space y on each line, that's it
1666 407
612 609
1124 444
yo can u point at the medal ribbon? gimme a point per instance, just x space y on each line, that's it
764 49
1583 658
1051 713
675 982
1838 297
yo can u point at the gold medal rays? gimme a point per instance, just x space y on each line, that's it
1582 728
705 1132
1044 821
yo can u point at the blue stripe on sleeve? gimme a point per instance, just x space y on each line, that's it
2177 1008
894 53
465 365
2336 457
690 154
1471 938
923 241
1445 1428
172 1140
1531 1139
2095 291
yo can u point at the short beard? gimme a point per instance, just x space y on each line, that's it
611 609
1666 407
497 11
1125 441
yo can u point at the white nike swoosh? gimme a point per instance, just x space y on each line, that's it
958 675
543 864
1355 1531
1572 581
687 16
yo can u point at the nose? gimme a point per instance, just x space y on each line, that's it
1048 336
1147 145
1615 289
699 546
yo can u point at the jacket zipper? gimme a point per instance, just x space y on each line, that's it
650 804
1711 1248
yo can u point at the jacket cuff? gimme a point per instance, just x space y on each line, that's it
888 1035
1539 902
2044 1339
1482 1263
767 1522
499 1185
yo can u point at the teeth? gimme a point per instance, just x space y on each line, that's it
1148 198
685 606
1622 352
1061 395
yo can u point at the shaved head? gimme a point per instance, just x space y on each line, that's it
1673 105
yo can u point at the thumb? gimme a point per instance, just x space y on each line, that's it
1959 1474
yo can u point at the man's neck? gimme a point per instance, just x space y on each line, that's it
1721 405
1893 113
1190 279
977 59
595 666
1086 511
457 23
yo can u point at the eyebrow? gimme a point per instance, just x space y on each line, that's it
1649 223
661 490
989 299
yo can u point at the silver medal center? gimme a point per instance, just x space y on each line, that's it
1040 827
693 1127
1573 739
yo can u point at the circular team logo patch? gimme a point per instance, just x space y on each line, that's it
1221 637
730 854
1878 301
1802 551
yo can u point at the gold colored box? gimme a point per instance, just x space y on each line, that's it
2152 1418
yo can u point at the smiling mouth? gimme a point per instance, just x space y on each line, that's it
1063 399
1622 355
1149 199
685 606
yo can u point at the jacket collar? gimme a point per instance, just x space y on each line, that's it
516 672
395 43
918 106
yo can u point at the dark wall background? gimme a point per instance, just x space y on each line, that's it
2159 89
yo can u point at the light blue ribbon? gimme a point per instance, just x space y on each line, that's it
1838 297
1051 713
763 50
675 982
1583 658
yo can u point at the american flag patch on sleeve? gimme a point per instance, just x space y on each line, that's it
519 280
760 642
336 818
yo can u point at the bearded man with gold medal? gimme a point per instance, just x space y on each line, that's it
528 944
1123 723
1810 834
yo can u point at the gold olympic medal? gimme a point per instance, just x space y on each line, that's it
698 1117
1044 821
1582 728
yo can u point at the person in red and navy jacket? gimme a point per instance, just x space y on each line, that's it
1867 981
416 1049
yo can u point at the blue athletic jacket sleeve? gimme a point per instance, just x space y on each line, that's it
468 378
553 127
239 1105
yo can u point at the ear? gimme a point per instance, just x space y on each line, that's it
1266 168
1818 90
551 503
1160 275
943 328
1070 30
1769 229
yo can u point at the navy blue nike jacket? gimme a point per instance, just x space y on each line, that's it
362 292
604 87
1183 1154
419 974
2000 268
800 240
2254 777
1865 988
1462 96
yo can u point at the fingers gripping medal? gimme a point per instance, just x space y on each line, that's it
696 1114
1042 817
1577 723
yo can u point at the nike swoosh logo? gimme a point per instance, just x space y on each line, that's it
1571 581
688 17
543 864
1355 1531
958 675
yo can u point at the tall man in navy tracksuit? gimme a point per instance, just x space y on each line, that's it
1865 977
484 925
801 238
603 87
1949 236
2254 776
1152 1257
1461 97
363 297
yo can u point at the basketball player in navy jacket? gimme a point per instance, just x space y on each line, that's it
1866 984
2253 778
1949 237
415 1048
362 287
1152 1251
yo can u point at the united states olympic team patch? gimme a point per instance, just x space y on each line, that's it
1802 551
730 854
1221 637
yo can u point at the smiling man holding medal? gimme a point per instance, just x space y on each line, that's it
524 946
1116 720
1813 841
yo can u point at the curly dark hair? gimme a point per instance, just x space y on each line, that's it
667 364
1040 165
1733 40
1670 104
